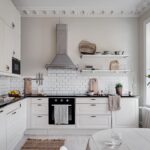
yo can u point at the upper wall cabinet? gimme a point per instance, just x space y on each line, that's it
9 35
10 15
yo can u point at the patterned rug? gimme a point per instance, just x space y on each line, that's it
39 144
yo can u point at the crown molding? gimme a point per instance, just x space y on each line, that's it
83 12
74 12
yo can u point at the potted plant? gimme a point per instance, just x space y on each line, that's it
148 76
119 87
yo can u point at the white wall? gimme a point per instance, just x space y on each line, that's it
39 44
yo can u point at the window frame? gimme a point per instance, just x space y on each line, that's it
146 22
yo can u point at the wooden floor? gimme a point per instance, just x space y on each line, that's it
71 142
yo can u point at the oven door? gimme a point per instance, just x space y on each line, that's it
16 66
71 111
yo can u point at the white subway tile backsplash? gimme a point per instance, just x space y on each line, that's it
10 83
62 82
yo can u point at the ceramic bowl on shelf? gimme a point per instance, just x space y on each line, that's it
118 52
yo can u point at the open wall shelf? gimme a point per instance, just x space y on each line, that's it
103 56
104 71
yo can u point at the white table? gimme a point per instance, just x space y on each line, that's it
132 139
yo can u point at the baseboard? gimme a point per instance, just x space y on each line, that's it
60 132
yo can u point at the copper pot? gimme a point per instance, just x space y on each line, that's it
119 91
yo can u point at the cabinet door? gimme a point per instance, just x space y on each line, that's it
8 12
13 123
39 121
128 116
16 125
2 130
8 39
16 45
94 121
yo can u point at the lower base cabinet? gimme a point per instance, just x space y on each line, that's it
128 115
15 124
3 129
12 125
39 121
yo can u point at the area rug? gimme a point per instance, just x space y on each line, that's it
42 144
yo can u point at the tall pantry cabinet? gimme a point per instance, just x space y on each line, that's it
9 35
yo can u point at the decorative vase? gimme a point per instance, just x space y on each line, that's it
119 91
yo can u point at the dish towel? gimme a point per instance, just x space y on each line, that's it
61 114
114 103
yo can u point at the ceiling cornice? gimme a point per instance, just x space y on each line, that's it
83 12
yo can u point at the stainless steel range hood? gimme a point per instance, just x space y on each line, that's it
61 60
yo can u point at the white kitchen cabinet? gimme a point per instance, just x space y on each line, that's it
94 121
9 14
16 52
40 108
39 113
92 108
15 123
2 129
92 113
9 35
7 51
39 121
128 115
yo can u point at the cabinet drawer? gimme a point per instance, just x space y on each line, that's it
94 121
92 108
39 100
39 121
91 100
13 107
40 108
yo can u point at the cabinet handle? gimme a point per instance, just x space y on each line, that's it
39 99
1 111
13 113
93 104
7 68
39 105
93 116
93 99
39 116
14 53
13 25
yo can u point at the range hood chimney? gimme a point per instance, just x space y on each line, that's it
61 60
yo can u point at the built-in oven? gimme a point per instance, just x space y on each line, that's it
16 66
68 102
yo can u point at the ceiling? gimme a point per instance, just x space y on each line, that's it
131 8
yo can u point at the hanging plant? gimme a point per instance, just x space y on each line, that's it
148 76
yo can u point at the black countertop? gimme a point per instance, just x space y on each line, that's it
3 104
84 96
